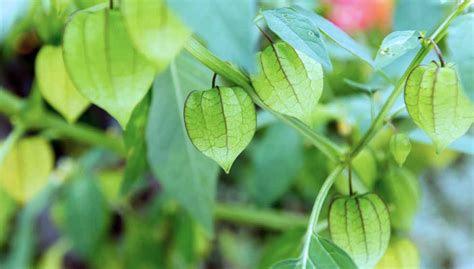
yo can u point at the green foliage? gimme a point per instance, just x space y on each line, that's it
402 207
172 157
160 36
220 122
56 86
437 104
299 32
360 225
460 37
395 45
288 81
400 147
103 64
322 254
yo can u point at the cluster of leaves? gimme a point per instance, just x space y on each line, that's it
111 54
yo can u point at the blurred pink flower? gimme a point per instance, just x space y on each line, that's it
361 15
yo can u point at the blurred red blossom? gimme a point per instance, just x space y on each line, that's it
361 15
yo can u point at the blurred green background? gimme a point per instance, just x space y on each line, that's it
80 220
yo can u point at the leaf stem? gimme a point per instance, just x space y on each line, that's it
438 34
438 52
11 140
11 105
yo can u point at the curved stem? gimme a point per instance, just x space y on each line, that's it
438 52
214 77
318 205
11 140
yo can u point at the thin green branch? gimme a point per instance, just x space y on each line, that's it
330 149
265 218
426 47
11 106
11 140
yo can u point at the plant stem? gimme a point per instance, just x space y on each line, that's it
436 37
266 218
11 140
12 106
318 205
331 150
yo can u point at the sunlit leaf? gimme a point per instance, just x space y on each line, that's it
220 122
103 64
337 35
184 172
460 39
400 147
288 81
322 254
26 168
395 45
56 86
360 225
401 253
298 31
436 102
401 189
155 31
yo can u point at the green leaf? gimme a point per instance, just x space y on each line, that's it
281 247
337 35
26 168
437 104
236 32
220 122
103 64
395 45
322 254
56 86
402 192
155 31
7 212
288 81
276 157
360 225
299 32
401 253
136 146
185 173
82 4
460 39
85 214
400 147
421 14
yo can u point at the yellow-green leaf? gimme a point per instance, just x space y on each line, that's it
155 31
400 147
288 81
437 103
220 122
401 253
56 86
26 168
360 225
103 64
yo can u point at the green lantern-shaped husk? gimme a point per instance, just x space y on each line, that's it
360 225
437 103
